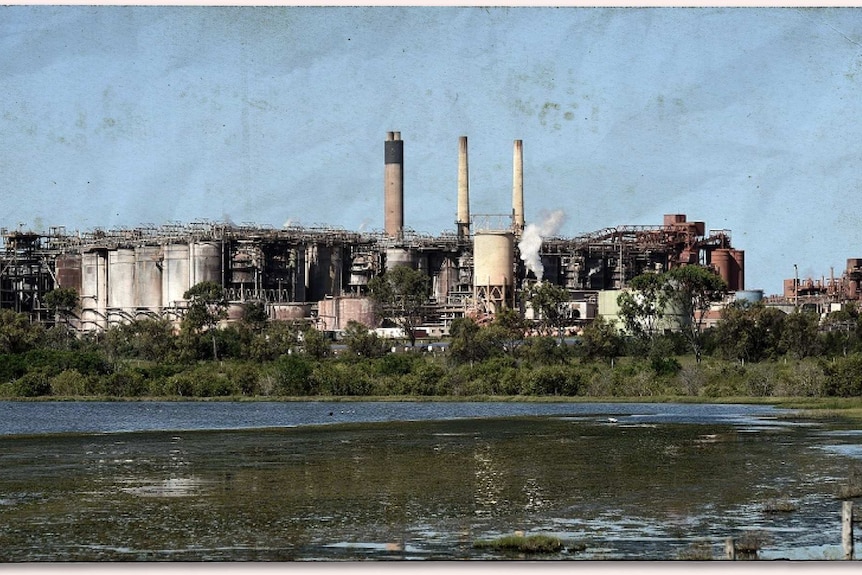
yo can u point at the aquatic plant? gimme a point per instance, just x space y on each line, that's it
523 543
697 551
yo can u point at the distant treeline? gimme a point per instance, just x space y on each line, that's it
753 351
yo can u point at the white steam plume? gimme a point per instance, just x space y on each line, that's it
531 240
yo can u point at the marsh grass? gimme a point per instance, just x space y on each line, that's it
698 551
522 544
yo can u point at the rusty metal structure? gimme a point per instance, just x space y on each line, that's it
320 274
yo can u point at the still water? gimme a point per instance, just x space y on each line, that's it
223 481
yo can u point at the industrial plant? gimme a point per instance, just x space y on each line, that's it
320 275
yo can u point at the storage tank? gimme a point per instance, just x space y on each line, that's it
206 262
400 257
175 273
94 289
493 261
739 258
289 311
121 279
148 277
336 313
68 268
726 265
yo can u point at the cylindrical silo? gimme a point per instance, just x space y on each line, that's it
400 257
121 279
148 277
739 258
493 257
175 273
206 262
721 261
94 289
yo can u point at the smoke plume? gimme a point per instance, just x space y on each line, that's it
531 240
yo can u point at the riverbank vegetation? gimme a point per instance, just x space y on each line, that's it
753 352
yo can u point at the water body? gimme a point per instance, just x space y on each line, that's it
225 481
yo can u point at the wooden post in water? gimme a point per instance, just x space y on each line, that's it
730 549
847 529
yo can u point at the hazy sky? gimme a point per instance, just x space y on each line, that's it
747 119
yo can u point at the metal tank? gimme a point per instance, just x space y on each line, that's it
739 258
289 311
94 289
206 262
400 257
175 273
723 262
121 279
335 313
493 257
148 277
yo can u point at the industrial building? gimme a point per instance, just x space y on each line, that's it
320 275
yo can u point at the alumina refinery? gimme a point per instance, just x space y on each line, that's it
320 275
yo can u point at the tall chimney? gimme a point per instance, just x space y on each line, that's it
393 185
463 221
518 187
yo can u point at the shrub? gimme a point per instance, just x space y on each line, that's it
523 544
292 375
69 383
32 384
844 377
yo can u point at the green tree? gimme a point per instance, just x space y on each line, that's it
799 334
362 342
548 302
692 290
254 316
17 333
511 329
642 308
471 343
277 338
748 331
315 344
62 302
401 294
840 331
207 307
145 338
599 340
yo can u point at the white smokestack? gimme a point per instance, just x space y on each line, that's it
531 241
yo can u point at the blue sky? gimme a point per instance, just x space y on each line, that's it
747 119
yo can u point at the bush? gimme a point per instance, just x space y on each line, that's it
69 383
844 377
553 380
32 384
292 375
